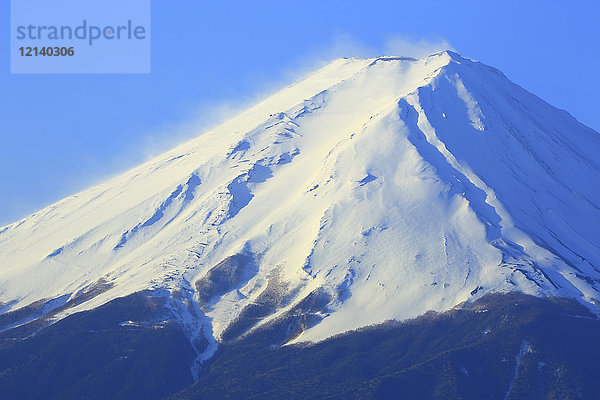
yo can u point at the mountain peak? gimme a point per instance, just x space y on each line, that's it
444 53
373 189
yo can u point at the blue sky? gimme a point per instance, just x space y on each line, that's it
63 133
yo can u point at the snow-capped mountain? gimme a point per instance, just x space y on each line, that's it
373 189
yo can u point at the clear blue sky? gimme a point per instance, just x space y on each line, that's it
63 133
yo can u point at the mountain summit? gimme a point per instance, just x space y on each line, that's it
373 189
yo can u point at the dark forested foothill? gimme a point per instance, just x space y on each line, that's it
503 346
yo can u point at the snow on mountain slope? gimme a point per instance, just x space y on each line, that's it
381 187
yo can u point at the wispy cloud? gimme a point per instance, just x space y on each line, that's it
400 45
395 44
205 116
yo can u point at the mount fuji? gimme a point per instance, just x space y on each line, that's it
373 190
